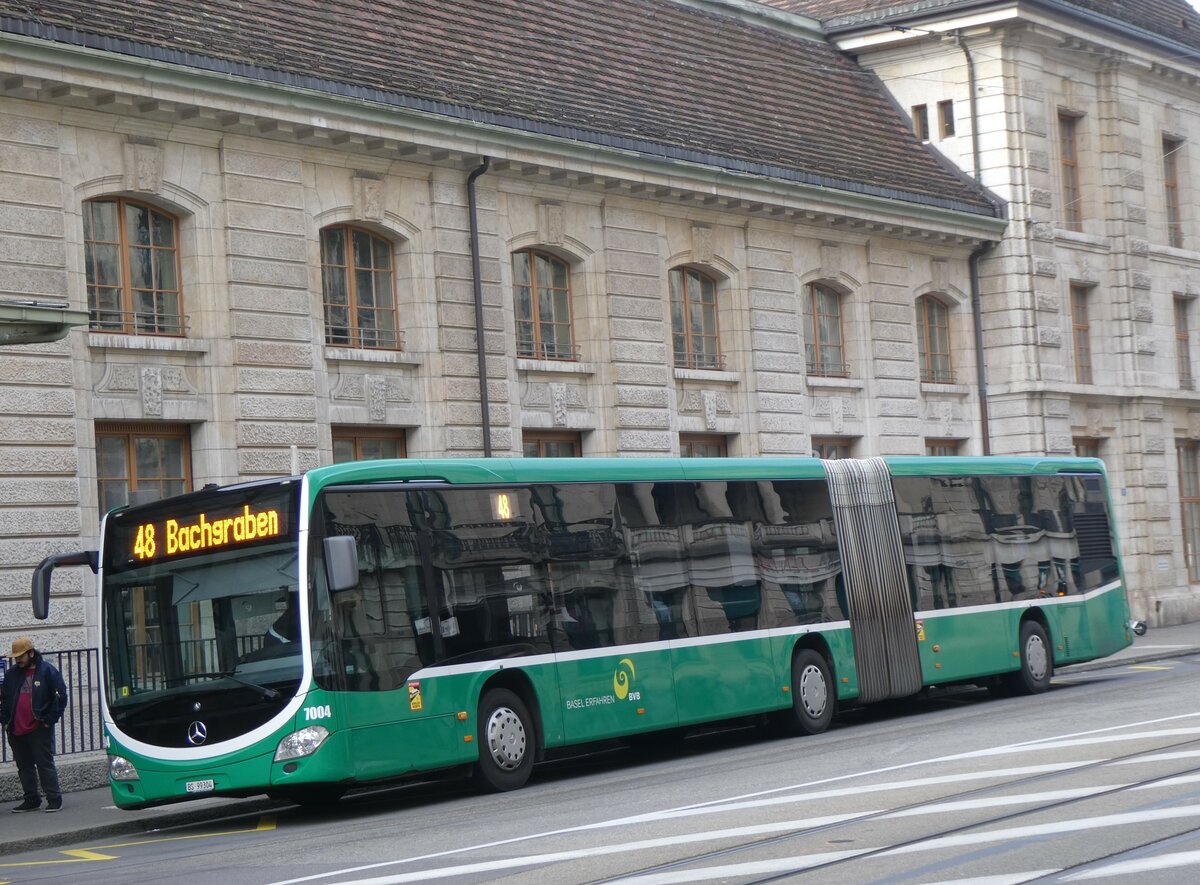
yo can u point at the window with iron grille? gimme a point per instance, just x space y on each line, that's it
131 261
542 296
151 459
933 340
694 334
359 288
824 352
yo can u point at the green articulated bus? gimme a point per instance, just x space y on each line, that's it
371 620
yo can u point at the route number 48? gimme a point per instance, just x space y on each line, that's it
317 712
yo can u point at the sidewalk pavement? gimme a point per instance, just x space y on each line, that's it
88 817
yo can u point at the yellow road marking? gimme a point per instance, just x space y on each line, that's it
87 855
1146 667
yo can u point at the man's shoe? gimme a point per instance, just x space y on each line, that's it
54 804
28 805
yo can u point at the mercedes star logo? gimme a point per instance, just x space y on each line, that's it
197 732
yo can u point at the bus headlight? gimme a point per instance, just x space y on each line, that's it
301 743
121 769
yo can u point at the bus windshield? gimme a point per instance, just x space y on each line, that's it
201 609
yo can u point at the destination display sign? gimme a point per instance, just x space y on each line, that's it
204 533
194 525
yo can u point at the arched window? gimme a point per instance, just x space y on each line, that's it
933 340
824 351
694 333
542 298
131 261
358 284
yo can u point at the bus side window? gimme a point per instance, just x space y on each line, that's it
588 567
796 554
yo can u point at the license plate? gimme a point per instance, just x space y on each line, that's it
200 786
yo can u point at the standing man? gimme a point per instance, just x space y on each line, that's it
32 699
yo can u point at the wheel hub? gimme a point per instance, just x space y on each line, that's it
1036 658
505 735
814 693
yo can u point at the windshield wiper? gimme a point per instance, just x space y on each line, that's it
228 674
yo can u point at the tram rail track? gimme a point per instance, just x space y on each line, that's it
755 845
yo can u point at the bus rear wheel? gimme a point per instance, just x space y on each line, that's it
813 696
506 741
1037 662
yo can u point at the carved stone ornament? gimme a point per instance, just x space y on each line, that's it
558 404
143 167
376 398
152 392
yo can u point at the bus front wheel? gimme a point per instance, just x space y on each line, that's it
813 694
506 741
1037 662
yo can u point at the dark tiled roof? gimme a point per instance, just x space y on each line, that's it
682 81
1174 19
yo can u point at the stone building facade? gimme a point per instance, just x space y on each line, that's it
230 363
1083 118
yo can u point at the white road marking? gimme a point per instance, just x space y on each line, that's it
1142 865
802 862
1003 879
933 761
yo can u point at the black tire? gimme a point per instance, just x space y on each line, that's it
507 742
1037 662
814 697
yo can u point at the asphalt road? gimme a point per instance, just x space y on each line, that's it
1099 779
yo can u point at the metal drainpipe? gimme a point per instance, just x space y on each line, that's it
477 284
980 367
976 256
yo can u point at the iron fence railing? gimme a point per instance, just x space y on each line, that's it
79 729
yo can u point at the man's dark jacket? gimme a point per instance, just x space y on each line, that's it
49 693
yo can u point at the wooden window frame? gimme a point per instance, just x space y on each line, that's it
832 447
920 119
1068 143
543 438
358 435
129 320
943 448
681 297
815 344
1081 333
353 334
130 432
1183 344
946 117
532 344
937 366
1188 460
1171 147
688 442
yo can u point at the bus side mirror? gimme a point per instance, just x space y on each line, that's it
40 588
341 563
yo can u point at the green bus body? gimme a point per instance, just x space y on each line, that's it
741 639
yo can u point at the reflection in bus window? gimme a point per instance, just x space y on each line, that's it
991 539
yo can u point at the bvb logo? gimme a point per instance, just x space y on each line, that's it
623 677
